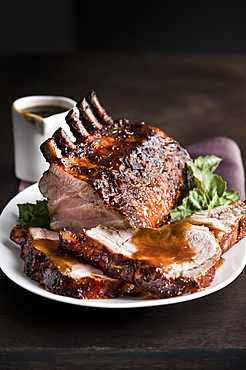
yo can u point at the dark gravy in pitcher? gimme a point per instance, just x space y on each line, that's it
44 111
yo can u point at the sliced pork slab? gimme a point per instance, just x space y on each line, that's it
227 223
59 272
115 173
74 204
169 261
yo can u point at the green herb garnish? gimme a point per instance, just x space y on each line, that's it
210 191
34 215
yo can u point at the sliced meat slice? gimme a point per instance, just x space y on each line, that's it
74 204
227 223
59 272
169 261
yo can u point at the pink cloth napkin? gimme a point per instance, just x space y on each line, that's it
230 169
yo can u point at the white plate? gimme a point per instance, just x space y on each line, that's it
12 265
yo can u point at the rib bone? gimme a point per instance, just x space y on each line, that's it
87 116
63 142
51 151
98 109
76 126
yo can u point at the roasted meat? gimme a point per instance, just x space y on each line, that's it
173 260
168 261
59 272
104 262
227 223
114 173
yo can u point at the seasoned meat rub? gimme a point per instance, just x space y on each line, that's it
115 173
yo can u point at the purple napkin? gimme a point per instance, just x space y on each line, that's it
230 169
23 185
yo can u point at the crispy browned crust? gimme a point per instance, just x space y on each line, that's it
138 272
138 170
19 235
229 238
241 231
236 233
40 268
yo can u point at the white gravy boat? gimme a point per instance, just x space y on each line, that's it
30 130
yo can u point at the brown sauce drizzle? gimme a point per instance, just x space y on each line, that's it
221 262
165 245
62 260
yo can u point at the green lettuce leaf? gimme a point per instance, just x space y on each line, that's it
194 202
210 191
34 215
208 162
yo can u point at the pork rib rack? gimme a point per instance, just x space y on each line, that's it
115 173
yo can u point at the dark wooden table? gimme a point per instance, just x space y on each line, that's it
189 97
